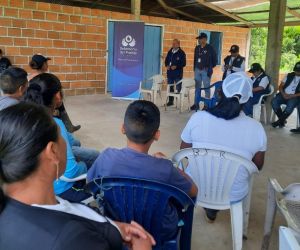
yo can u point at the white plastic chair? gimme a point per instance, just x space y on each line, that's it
214 172
157 82
288 201
287 239
187 85
260 108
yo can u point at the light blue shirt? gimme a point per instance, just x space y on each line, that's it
73 168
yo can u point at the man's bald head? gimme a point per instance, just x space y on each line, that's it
175 43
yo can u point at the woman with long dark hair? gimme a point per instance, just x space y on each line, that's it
226 127
32 157
39 65
45 89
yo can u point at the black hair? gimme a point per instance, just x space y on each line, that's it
42 89
12 79
25 131
35 65
141 121
4 64
227 108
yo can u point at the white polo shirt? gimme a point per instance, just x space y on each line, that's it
291 89
243 136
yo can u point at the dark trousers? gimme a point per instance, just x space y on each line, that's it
248 106
76 193
174 80
278 100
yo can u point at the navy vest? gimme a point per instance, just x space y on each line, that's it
289 80
237 62
257 82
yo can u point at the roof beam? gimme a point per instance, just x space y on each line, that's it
224 12
293 12
291 23
168 8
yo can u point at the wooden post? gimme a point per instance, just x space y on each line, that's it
274 45
136 9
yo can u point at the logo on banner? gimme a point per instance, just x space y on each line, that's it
128 41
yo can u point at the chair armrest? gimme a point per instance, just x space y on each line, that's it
78 178
276 185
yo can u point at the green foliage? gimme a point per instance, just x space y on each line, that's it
290 47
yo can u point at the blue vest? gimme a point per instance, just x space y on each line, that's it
177 59
289 80
237 62
257 82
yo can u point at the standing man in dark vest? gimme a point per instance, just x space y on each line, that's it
261 84
289 94
205 59
233 62
175 62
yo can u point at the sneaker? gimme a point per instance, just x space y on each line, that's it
295 130
75 128
278 124
194 107
170 104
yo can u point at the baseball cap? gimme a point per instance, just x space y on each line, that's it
255 67
202 35
39 59
297 67
238 84
234 48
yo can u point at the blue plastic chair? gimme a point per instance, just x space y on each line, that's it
126 199
210 103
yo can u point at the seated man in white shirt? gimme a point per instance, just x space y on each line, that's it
289 94
260 87
233 62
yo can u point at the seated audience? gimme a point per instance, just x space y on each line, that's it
225 127
4 62
46 90
289 94
141 127
13 83
260 87
297 130
32 157
39 65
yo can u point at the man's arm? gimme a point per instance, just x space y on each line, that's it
242 68
259 159
195 57
194 189
166 60
185 145
257 89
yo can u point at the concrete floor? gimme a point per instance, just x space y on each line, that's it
101 118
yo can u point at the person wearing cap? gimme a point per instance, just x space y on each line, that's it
39 65
4 62
234 62
205 59
223 128
175 62
261 84
289 94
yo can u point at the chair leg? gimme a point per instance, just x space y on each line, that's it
246 209
270 216
154 97
181 102
236 213
264 111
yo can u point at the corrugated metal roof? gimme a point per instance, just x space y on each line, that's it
223 12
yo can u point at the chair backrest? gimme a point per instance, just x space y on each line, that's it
271 91
287 239
214 172
153 83
187 84
157 81
140 200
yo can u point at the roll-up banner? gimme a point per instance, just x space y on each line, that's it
128 59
